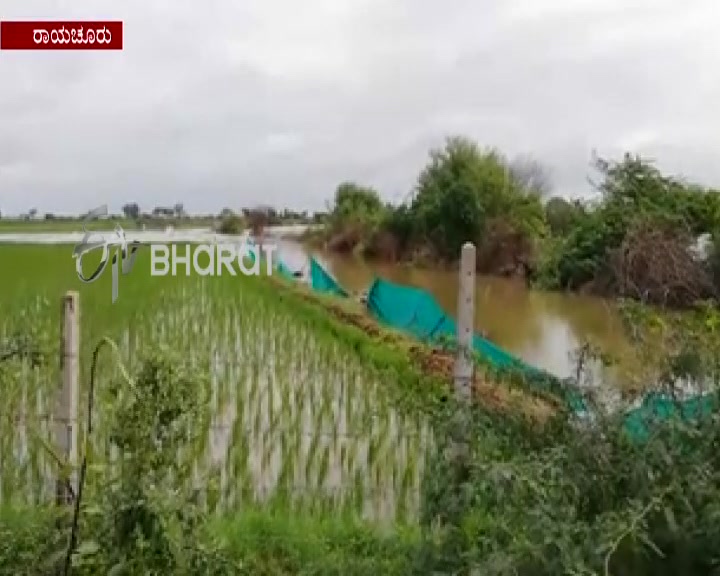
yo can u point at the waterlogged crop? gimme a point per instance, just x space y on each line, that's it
277 428
291 416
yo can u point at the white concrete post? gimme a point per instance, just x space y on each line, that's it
66 411
465 324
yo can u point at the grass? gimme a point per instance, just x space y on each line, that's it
257 542
317 431
275 544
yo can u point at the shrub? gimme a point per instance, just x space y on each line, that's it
231 224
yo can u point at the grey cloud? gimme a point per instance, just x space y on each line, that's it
276 101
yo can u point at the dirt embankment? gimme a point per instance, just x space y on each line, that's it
434 362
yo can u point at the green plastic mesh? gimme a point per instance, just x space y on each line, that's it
284 270
416 311
322 281
657 408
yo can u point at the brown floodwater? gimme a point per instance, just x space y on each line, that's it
545 329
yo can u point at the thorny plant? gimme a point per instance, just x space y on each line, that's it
588 499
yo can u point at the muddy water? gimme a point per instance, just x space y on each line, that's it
545 329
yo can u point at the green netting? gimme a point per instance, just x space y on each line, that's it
415 311
409 309
321 281
657 408
284 270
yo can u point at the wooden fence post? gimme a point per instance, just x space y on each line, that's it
66 410
465 324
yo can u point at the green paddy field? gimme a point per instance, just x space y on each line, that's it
290 410
242 426
295 422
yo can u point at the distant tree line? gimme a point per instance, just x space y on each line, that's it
268 215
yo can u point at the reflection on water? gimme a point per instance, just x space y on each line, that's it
545 329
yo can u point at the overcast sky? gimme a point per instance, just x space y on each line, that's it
219 103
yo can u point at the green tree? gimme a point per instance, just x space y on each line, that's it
631 191
351 199
461 188
357 205
454 192
562 216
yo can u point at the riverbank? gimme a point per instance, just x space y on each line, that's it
535 265
377 345
422 257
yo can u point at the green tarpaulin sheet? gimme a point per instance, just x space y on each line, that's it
322 281
657 408
284 270
416 311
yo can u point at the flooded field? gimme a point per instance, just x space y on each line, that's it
292 415
545 329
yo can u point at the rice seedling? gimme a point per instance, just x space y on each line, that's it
294 417
291 415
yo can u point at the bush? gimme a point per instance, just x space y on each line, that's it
656 264
232 225
587 499
633 195
30 542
